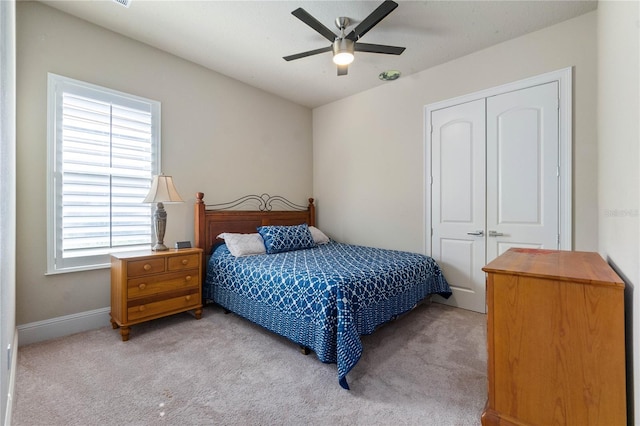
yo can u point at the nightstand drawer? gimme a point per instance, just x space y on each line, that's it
163 307
149 266
187 261
145 286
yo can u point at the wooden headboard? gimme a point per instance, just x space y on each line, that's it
212 220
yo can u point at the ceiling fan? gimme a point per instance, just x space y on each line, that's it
343 46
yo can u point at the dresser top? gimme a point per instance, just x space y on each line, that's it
577 266
145 253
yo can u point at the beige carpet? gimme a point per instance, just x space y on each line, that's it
426 368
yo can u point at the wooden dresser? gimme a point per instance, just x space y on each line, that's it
555 332
149 285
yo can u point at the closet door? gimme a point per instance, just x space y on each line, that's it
495 184
458 201
522 170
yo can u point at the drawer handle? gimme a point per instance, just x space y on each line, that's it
142 286
141 308
188 278
187 298
185 261
146 267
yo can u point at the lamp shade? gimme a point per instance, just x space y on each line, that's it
163 191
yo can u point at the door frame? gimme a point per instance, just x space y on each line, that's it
565 138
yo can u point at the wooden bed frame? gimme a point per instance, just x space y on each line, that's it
212 220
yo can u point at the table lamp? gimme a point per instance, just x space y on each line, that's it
162 191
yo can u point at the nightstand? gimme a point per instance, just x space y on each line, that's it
152 284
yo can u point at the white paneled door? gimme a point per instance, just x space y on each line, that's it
495 184
458 200
522 170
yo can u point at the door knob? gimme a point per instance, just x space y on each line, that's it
479 233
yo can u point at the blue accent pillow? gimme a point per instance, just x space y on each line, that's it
278 239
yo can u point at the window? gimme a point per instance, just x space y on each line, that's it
103 150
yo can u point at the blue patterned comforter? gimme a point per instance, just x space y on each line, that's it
326 297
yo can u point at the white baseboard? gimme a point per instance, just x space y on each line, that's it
63 326
12 379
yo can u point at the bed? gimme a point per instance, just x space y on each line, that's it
319 293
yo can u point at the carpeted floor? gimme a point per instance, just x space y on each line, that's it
426 368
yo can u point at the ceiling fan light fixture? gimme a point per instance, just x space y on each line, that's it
343 49
343 58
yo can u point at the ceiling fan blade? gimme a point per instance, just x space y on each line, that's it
370 21
308 53
343 69
378 48
305 17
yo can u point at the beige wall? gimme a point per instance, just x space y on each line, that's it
219 136
368 149
619 157
619 135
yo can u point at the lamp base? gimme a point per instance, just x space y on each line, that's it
160 222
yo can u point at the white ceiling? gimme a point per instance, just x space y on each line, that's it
246 40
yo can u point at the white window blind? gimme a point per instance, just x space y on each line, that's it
103 153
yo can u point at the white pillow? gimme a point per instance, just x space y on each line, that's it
318 236
244 244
